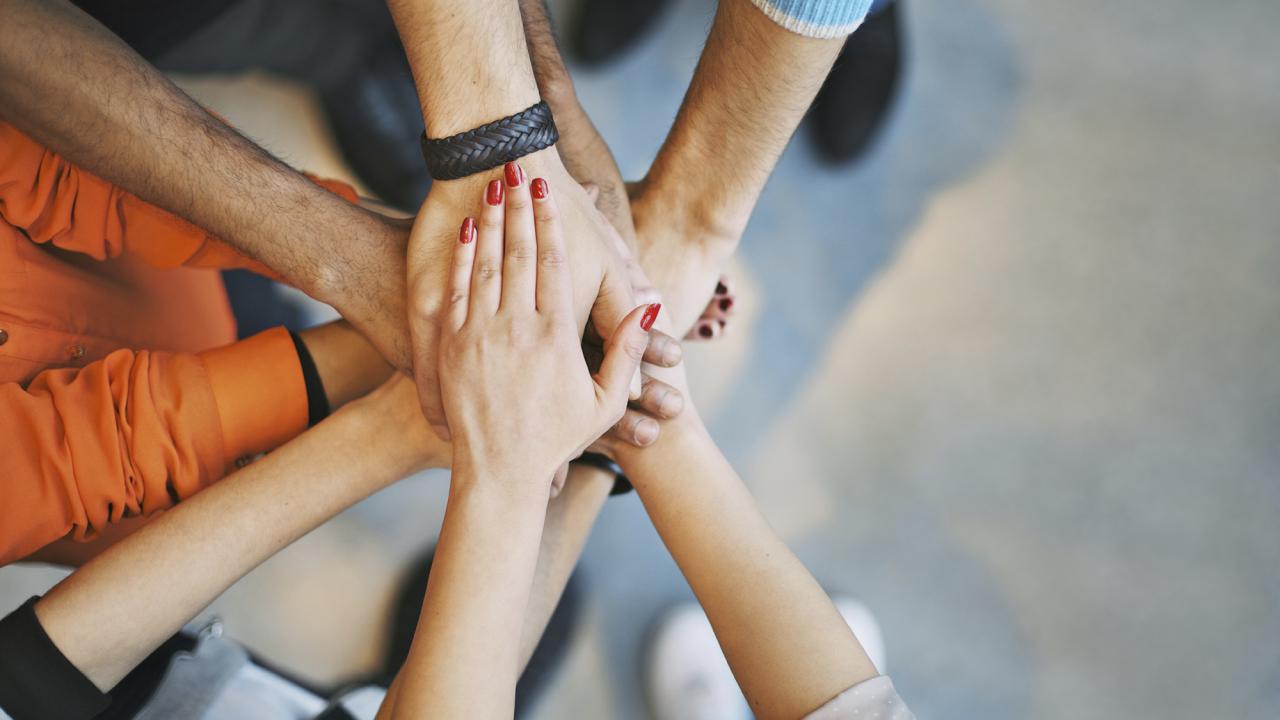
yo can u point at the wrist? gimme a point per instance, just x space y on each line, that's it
676 432
691 209
469 189
524 479
388 424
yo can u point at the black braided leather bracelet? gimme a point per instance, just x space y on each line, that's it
492 145
621 485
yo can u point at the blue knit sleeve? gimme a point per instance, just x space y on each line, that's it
816 18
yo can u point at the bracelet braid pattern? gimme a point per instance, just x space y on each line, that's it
492 145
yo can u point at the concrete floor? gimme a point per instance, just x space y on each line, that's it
1013 381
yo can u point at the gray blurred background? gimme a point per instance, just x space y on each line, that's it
1013 380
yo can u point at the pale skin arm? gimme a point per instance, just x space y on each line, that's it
191 554
464 662
753 84
79 90
786 643
509 350
569 519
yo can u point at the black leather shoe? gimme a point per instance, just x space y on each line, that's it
605 29
856 98
377 121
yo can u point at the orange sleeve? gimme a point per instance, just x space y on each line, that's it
56 202
136 432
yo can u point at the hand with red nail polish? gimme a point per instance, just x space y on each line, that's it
515 386
716 318
601 293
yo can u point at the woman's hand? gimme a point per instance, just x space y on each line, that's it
515 387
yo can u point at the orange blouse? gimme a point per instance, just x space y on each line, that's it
122 390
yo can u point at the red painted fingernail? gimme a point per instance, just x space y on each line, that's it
514 174
467 233
539 188
650 314
494 195
725 304
721 289
705 331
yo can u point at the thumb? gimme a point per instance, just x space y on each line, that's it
612 300
622 358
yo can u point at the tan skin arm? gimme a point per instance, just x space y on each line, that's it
192 553
68 82
788 646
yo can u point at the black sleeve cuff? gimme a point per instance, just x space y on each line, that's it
36 680
317 399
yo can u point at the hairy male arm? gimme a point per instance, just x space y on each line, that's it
79 90
753 84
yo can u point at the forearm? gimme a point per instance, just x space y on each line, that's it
584 152
77 89
464 659
348 366
191 554
785 641
471 65
753 85
570 517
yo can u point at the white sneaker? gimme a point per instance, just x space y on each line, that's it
687 677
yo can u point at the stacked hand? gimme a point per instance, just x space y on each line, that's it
599 287
511 363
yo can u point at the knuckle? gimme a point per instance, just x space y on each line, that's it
635 347
457 296
520 252
544 213
487 270
425 307
551 259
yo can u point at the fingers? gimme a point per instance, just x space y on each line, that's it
714 322
622 357
424 334
554 284
659 399
486 274
613 300
663 350
635 428
706 329
464 254
518 270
